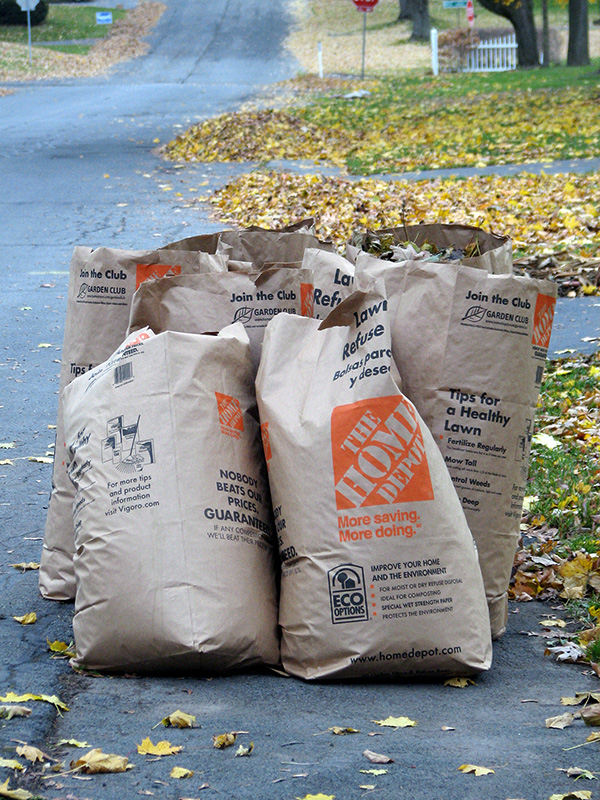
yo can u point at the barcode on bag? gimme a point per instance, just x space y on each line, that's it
539 374
123 373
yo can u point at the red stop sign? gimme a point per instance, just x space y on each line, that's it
365 5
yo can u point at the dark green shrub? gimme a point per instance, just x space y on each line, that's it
11 14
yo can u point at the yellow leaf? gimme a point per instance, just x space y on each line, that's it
319 796
593 737
338 731
41 459
72 743
26 565
56 646
15 794
395 722
11 697
163 748
553 623
222 740
179 719
44 344
546 440
181 772
11 763
373 771
31 753
6 462
96 762
459 683
475 769
27 619
580 697
584 794
8 712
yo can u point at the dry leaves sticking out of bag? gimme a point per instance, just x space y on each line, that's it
96 762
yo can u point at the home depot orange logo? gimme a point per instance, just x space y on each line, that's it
145 272
230 415
378 454
307 299
543 316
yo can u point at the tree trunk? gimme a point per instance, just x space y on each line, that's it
520 15
578 53
545 34
420 19
405 10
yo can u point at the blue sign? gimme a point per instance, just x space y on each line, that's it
104 17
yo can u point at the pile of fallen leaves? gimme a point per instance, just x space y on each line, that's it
125 40
384 134
552 219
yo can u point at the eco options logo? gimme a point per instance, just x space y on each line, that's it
347 594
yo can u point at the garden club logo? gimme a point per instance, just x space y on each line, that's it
243 314
474 314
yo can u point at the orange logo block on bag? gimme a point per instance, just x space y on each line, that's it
230 415
379 455
543 316
307 299
146 272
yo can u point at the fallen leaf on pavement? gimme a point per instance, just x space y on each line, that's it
162 748
11 697
222 740
24 566
32 754
582 795
98 762
580 697
475 769
448 728
578 772
71 743
15 794
553 623
27 619
377 758
245 751
11 763
6 462
561 721
319 796
459 683
8 712
41 459
181 772
395 722
374 771
179 719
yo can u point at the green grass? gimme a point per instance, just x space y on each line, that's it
73 49
62 23
566 479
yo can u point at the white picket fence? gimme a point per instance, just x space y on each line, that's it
492 55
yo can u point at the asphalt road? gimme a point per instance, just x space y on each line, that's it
76 167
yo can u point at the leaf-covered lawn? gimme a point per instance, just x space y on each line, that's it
392 131
552 219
